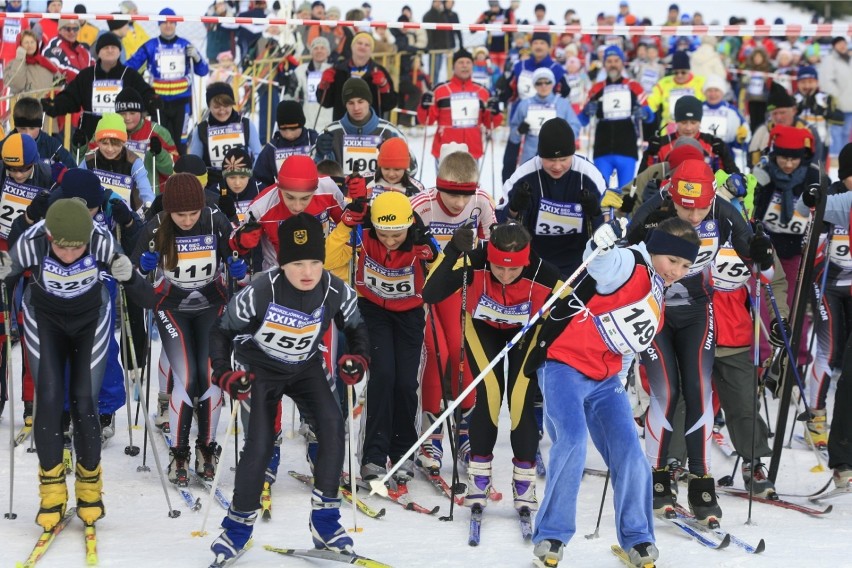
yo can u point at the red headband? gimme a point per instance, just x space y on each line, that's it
463 188
503 258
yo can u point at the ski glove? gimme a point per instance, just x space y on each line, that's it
812 195
424 246
736 185
149 261
591 203
628 202
775 336
248 236
760 249
228 207
327 79
523 128
612 198
356 186
236 383
427 99
121 268
155 146
37 208
352 369
57 171
325 144
237 267
463 239
5 264
79 139
608 234
355 212
121 213
521 198
591 109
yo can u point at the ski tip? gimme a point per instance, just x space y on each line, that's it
828 509
435 509
761 546
725 542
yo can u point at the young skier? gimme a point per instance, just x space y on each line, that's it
281 316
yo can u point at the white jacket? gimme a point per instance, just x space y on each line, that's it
316 116
835 78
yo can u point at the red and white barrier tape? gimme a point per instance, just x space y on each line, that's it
807 30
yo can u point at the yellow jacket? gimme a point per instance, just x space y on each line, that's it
88 34
134 39
666 92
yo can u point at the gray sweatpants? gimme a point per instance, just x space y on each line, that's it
733 380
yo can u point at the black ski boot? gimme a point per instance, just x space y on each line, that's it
701 496
664 502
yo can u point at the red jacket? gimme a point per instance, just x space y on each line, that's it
70 58
466 129
392 279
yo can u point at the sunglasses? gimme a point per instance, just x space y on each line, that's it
681 72
70 29
541 83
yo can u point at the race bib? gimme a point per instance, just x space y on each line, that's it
171 62
120 184
675 95
708 233
313 81
631 329
286 334
388 283
493 311
443 232
464 110
196 264
772 219
14 201
242 209
616 102
755 85
838 254
69 281
104 92
220 139
360 152
557 219
715 122
649 78
785 81
282 154
138 147
526 89
537 115
729 271
482 79
11 29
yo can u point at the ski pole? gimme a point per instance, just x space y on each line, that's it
130 450
756 363
378 485
353 486
7 327
144 467
600 511
235 406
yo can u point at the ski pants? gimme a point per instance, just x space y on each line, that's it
309 389
734 382
483 343
185 337
840 435
173 117
443 339
574 404
396 339
767 314
680 362
625 166
832 324
79 340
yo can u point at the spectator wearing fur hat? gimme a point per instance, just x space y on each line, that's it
309 75
292 137
95 89
669 89
719 117
461 108
64 51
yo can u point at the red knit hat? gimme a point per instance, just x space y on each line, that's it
693 185
393 153
682 153
791 141
298 173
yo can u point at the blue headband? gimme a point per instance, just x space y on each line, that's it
661 242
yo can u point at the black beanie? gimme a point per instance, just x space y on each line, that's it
680 60
301 237
844 162
356 88
116 24
106 40
290 114
544 36
219 88
556 139
688 108
779 97
129 100
462 53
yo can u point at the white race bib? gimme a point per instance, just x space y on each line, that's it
69 281
220 139
715 122
557 219
537 115
464 110
104 92
526 89
708 234
388 283
838 254
616 102
14 201
286 334
491 310
443 232
313 81
630 329
729 270
482 79
196 265
11 29
171 62
138 147
282 154
675 95
755 85
648 79
360 152
120 184
772 219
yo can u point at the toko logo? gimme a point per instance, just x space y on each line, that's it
386 218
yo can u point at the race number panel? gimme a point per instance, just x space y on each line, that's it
120 184
616 102
388 283
104 92
557 219
282 154
464 110
729 270
772 219
537 115
171 62
838 254
360 152
526 89
196 265
630 329
675 95
14 201
69 281
220 139
715 122
138 147
490 310
287 334
708 234
313 81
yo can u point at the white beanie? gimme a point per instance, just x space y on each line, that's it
449 148
543 73
715 82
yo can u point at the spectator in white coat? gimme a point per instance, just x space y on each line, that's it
309 75
835 74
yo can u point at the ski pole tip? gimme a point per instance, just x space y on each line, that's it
199 533
356 530
817 468
377 486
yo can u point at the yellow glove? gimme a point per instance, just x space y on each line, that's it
611 198
742 133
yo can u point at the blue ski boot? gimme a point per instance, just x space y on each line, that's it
238 526
326 530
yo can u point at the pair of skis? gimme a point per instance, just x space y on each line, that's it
345 493
441 486
711 536
475 529
47 537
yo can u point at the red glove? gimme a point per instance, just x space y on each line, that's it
380 80
356 187
327 78
235 383
248 236
355 212
352 369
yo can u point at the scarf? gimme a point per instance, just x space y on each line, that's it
785 183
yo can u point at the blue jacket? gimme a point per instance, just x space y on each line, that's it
168 89
563 110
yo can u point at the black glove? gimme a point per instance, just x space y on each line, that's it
422 242
79 138
426 99
49 107
156 146
523 128
325 144
37 208
812 195
591 203
775 336
463 239
120 211
521 198
493 105
227 206
716 146
628 202
154 105
235 383
760 249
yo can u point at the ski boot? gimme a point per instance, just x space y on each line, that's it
88 487
842 476
701 496
238 526
107 426
161 421
371 471
643 554
664 499
271 473
754 478
405 473
816 431
548 553
478 481
430 454
523 485
324 522
177 467
206 459
28 413
678 474
464 438
54 496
